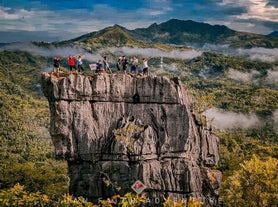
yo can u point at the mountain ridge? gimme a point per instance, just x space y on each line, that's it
178 32
172 32
176 29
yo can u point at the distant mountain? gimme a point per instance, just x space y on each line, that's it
273 34
180 32
173 32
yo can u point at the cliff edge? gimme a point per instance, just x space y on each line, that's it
170 152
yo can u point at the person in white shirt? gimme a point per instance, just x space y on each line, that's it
145 66
80 63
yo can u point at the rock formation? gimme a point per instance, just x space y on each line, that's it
171 152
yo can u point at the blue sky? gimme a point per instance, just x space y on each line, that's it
56 20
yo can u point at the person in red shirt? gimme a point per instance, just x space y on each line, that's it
71 63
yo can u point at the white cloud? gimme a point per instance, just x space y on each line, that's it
258 9
231 120
50 23
272 77
155 8
156 13
259 53
275 119
9 14
255 9
235 3
52 51
255 53
158 53
208 47
33 20
238 75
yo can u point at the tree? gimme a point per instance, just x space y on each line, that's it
126 135
254 184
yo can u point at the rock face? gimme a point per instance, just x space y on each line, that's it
171 152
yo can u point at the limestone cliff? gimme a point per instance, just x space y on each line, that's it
171 155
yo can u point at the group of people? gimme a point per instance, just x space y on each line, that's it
71 62
103 65
122 64
72 65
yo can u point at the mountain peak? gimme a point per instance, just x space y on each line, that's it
119 26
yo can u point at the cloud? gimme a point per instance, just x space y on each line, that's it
272 77
261 54
146 52
238 75
254 76
152 12
173 68
258 16
254 9
26 20
232 120
259 9
275 119
56 25
255 53
44 24
11 14
51 51
156 8
217 47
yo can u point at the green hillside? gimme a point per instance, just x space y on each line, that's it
26 151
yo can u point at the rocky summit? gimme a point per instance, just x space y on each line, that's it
114 130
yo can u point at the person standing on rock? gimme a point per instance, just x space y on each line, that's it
56 64
119 65
106 65
124 64
80 63
99 67
145 66
134 64
71 61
